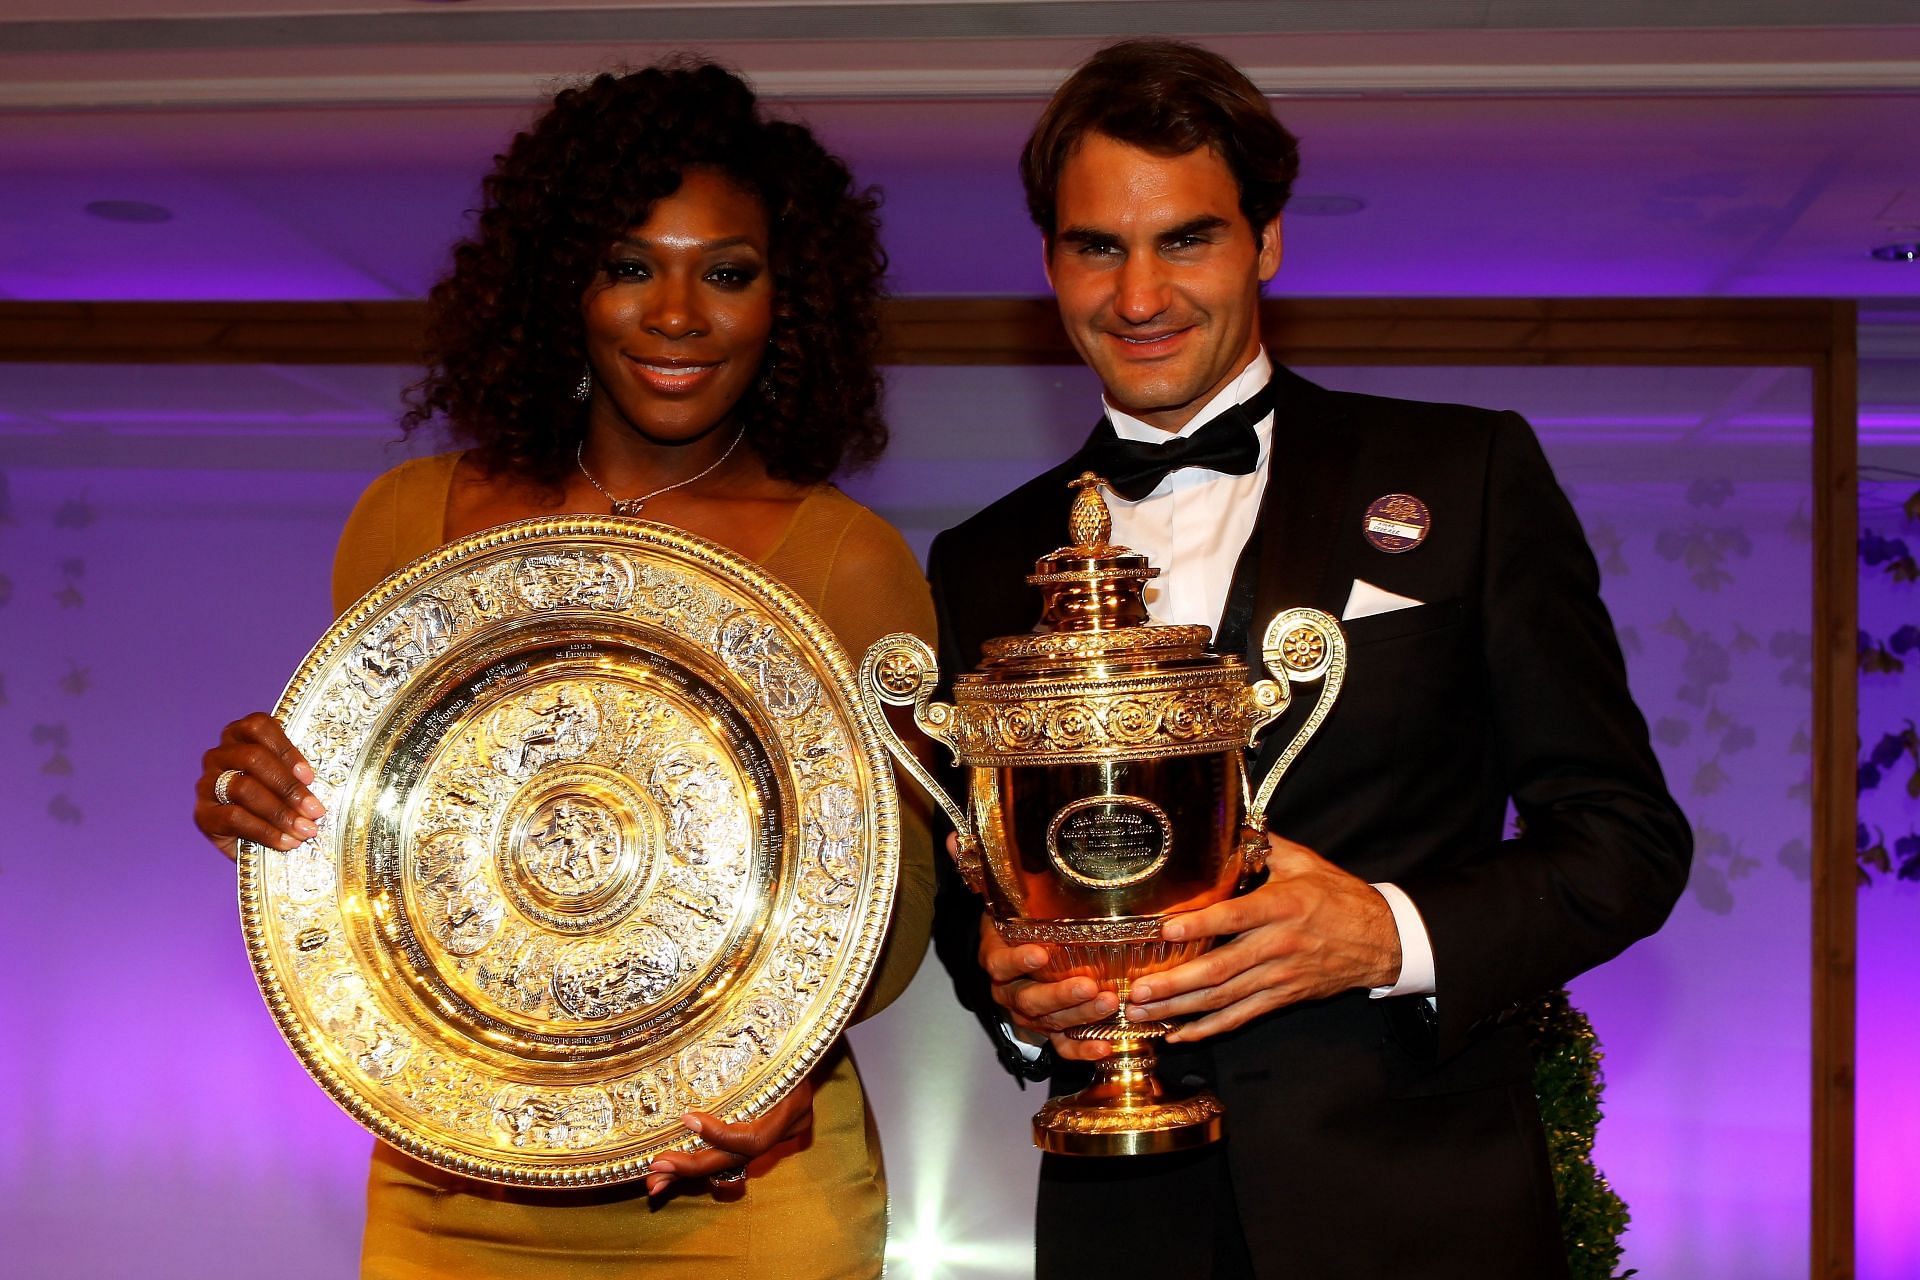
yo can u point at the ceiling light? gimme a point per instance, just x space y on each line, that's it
1326 206
129 211
1905 252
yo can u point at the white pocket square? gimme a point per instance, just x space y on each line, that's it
1365 600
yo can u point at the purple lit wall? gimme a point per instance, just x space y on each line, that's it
1887 1158
162 569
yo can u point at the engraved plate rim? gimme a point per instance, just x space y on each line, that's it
870 777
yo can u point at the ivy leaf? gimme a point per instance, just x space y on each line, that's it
1712 578
64 810
1907 849
1880 662
1736 739
1865 778
1795 645
1744 641
1912 507
1710 889
1672 731
1877 858
1676 626
1888 750
1904 569
1913 785
1797 858
1709 778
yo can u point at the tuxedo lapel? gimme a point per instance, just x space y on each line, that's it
1301 512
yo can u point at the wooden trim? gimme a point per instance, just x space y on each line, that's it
1835 805
991 331
212 332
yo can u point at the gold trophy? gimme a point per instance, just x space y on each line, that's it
1107 789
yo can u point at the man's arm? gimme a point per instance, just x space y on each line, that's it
1604 854
1604 851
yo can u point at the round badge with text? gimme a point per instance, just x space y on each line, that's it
1397 522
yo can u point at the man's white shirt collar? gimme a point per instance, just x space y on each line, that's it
1249 380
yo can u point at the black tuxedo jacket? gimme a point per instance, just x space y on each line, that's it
1380 1137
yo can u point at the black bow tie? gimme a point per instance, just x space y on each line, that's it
1227 444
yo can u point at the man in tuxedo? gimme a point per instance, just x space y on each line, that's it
1357 1015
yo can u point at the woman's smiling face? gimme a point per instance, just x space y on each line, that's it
678 315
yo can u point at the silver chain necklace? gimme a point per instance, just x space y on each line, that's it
631 506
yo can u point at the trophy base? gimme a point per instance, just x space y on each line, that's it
1124 1112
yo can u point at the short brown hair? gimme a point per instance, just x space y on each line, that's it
1169 98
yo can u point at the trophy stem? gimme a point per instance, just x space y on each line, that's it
1125 1111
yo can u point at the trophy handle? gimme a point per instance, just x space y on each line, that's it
899 670
1300 645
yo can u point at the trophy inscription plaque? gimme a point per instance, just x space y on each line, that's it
1107 788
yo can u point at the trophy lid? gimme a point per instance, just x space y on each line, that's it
1094 603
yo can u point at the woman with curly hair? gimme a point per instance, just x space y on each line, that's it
668 308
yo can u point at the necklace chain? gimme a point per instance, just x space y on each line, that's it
631 506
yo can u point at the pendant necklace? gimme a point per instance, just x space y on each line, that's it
631 506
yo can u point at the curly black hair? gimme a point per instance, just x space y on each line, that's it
505 340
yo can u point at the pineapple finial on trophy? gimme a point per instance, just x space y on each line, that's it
1089 524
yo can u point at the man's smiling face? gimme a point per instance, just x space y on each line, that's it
1158 275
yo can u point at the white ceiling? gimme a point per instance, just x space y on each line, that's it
1499 148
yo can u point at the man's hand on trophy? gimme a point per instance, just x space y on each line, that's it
1044 1009
1311 931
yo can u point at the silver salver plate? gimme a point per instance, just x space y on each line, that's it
608 839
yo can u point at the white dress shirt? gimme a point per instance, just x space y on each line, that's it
1192 528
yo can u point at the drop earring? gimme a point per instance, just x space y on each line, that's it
583 388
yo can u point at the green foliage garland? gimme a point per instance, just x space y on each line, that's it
1882 660
1568 1084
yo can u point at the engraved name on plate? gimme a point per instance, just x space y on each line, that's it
1110 841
